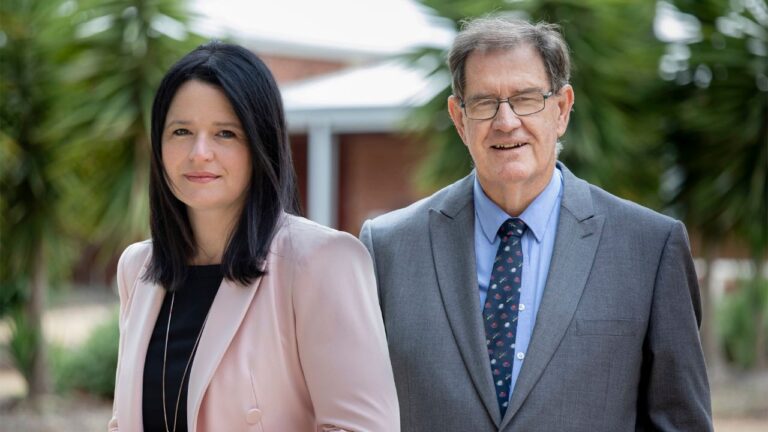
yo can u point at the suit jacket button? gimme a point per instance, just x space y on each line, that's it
253 416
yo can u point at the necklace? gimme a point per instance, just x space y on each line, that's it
186 368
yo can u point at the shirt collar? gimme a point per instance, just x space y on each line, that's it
536 215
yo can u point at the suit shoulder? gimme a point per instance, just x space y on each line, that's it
406 216
416 215
631 214
302 238
132 260
134 255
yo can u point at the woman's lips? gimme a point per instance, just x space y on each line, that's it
201 177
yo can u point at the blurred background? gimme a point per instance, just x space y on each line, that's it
671 112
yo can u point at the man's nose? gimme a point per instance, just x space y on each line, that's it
506 119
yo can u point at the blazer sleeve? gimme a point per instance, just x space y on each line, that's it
674 389
127 272
341 340
366 237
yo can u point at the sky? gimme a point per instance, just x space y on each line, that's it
380 26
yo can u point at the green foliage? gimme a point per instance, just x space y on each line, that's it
737 318
113 66
613 138
11 295
91 367
28 194
76 79
23 343
31 32
720 126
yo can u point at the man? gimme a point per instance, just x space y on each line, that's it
522 298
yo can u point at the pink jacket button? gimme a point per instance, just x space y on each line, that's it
253 416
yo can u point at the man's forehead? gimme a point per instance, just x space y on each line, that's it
517 69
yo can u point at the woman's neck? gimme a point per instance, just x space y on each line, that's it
212 231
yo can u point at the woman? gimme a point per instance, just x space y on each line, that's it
238 316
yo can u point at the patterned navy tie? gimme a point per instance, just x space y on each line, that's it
500 309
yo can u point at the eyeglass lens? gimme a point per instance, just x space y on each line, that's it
524 104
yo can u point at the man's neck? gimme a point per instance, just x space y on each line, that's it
515 198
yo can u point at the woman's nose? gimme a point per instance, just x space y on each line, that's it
201 148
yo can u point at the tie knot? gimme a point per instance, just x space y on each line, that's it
513 227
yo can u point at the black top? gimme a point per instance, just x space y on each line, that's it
190 307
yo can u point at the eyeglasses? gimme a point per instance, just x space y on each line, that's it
523 104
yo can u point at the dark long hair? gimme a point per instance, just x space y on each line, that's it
248 84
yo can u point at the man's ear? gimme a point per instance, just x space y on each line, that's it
457 115
565 104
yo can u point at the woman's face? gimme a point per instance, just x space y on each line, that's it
205 152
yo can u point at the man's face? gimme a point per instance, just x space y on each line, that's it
511 153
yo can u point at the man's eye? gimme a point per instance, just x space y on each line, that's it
181 132
227 134
485 103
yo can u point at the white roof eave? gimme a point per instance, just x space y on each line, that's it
374 98
348 120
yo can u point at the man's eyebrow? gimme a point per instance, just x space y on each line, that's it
482 96
517 93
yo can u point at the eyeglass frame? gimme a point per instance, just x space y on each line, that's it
546 96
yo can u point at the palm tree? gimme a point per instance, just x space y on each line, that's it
720 136
29 194
77 83
122 50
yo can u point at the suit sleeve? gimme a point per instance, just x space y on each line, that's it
366 236
342 346
675 391
367 239
127 272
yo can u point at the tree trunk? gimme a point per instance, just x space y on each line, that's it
38 381
709 340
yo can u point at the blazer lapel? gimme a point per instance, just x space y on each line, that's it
224 318
578 235
147 299
451 227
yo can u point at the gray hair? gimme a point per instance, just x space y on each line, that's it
497 33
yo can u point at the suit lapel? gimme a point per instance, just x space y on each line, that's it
147 299
227 312
451 227
578 235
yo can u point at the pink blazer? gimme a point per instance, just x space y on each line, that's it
301 349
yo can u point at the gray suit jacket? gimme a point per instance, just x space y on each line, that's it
615 346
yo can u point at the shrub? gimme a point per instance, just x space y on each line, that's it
743 322
24 338
91 367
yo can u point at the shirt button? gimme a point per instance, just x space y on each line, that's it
521 307
520 356
253 416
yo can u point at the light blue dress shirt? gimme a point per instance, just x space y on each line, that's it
541 216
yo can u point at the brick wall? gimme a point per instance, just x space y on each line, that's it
288 69
376 174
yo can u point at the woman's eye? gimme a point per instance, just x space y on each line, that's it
227 134
181 132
